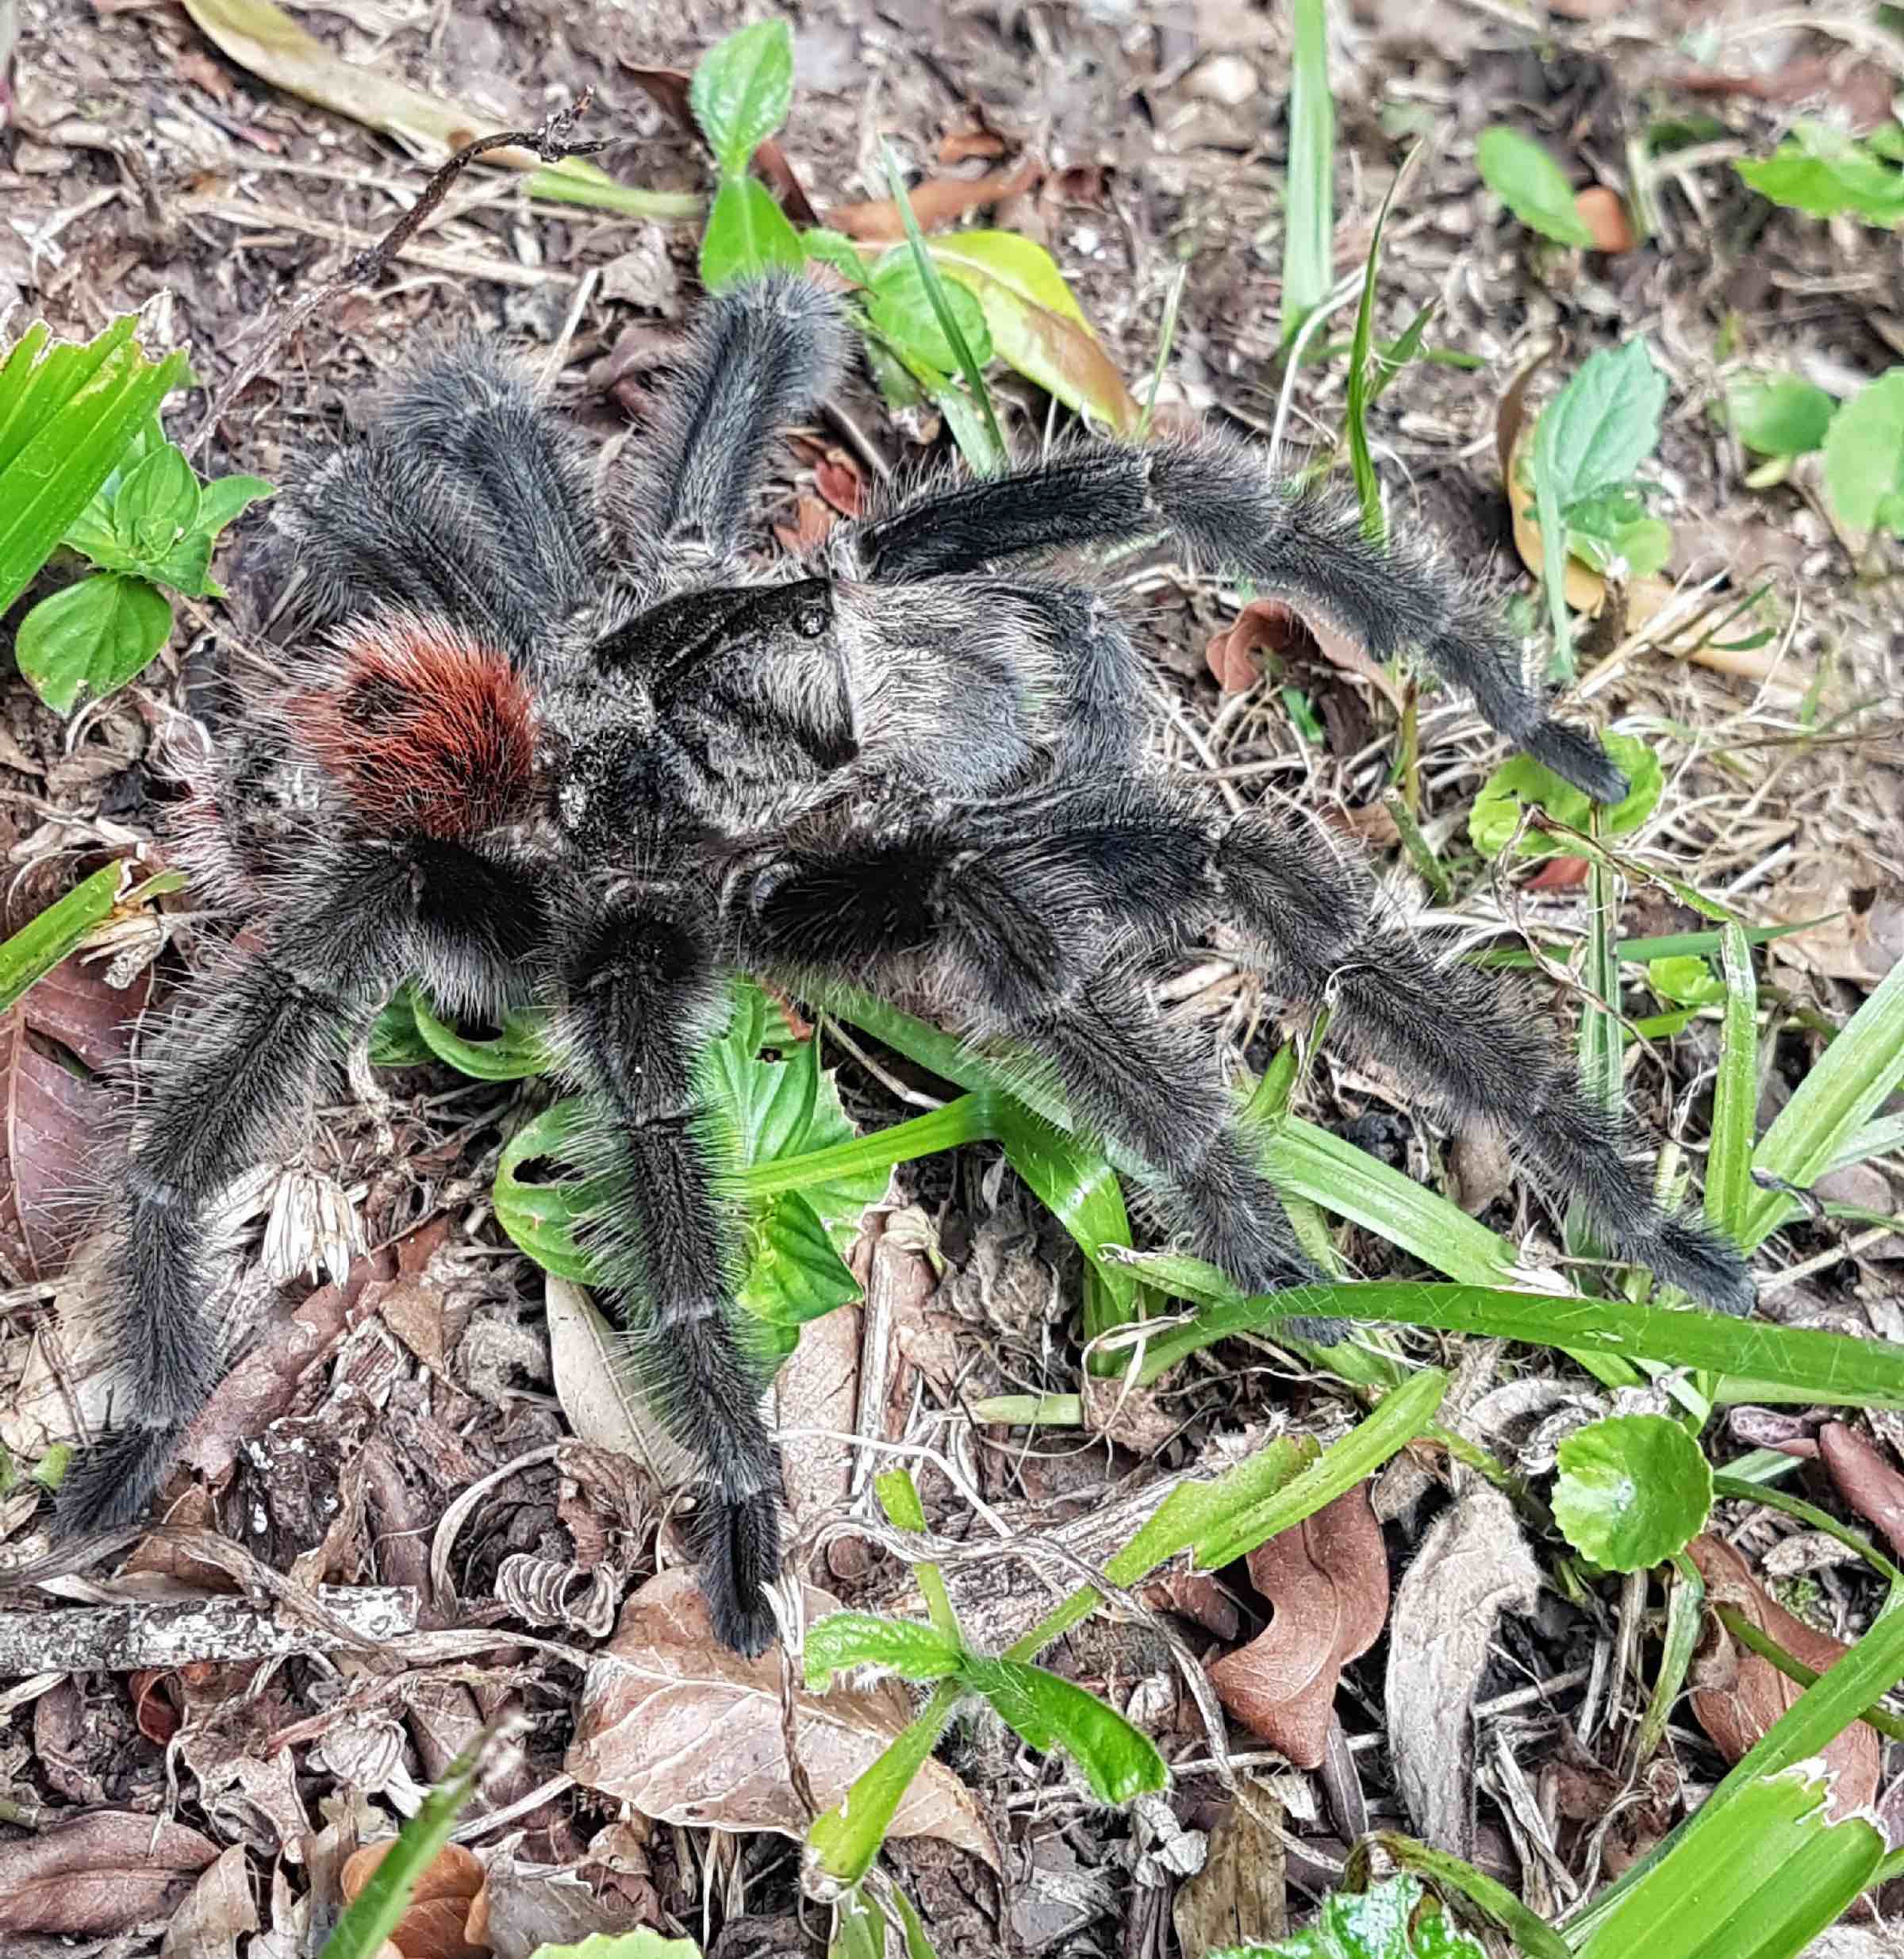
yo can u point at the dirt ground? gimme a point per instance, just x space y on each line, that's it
412 1422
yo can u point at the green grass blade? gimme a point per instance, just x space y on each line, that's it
42 942
1361 461
1729 1192
846 1840
1309 215
942 306
1684 1618
1833 1102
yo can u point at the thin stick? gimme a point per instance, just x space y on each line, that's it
550 142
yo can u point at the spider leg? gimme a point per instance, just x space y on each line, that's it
466 497
987 923
758 354
230 1082
1221 504
644 993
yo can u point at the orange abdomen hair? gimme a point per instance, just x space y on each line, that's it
425 729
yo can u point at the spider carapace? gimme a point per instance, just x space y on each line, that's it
531 741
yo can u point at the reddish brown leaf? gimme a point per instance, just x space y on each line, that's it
157 1717
102 1874
689 1732
1603 214
958 146
935 202
434 1921
1739 1696
1328 1580
836 479
1265 625
1866 1481
1559 874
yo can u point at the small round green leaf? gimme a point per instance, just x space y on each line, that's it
1531 184
1864 456
1521 780
1778 414
157 504
1633 1490
92 638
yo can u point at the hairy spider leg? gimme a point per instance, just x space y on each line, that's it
232 1080
644 994
1007 924
1156 864
1224 508
758 356
467 499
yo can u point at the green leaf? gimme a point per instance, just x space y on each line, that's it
1778 414
1832 1105
637 1945
1119 1761
1822 171
795 1272
1535 1939
1035 322
1632 1490
1735 1094
859 1926
898 1498
519 1051
544 1218
845 1841
1391 1920
395 1042
1531 185
39 945
369 1919
1684 980
1757 1876
1611 531
1864 456
836 249
1309 217
899 303
1604 423
227 498
747 232
843 1641
742 90
1520 780
157 504
67 415
91 638
1076 1184
575 180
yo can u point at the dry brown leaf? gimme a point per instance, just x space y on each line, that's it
99 1875
1603 214
936 201
1240 1897
1866 1481
1737 1697
1270 625
434 1921
812 520
690 1733
1328 1580
959 146
1473 1565
1859 936
820 1380
840 483
208 1924
598 1395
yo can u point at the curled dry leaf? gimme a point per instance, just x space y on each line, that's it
936 201
435 1921
1866 1481
1473 1565
219 1909
1740 1695
690 1733
99 1875
1603 214
1269 625
836 479
1328 1581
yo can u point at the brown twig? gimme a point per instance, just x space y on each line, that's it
552 142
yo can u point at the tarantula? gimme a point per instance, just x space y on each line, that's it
533 745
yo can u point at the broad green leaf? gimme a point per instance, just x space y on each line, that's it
45 940
1685 979
369 1919
1393 1920
900 306
1611 531
846 1840
1757 1876
1632 1490
637 1945
1309 212
395 1042
1864 456
157 504
836 249
1520 780
748 233
1535 1939
1822 169
1778 414
1836 1099
795 1272
91 638
519 1051
1035 323
1604 423
66 415
1118 1761
898 1498
225 498
742 90
545 1218
843 1641
1531 184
